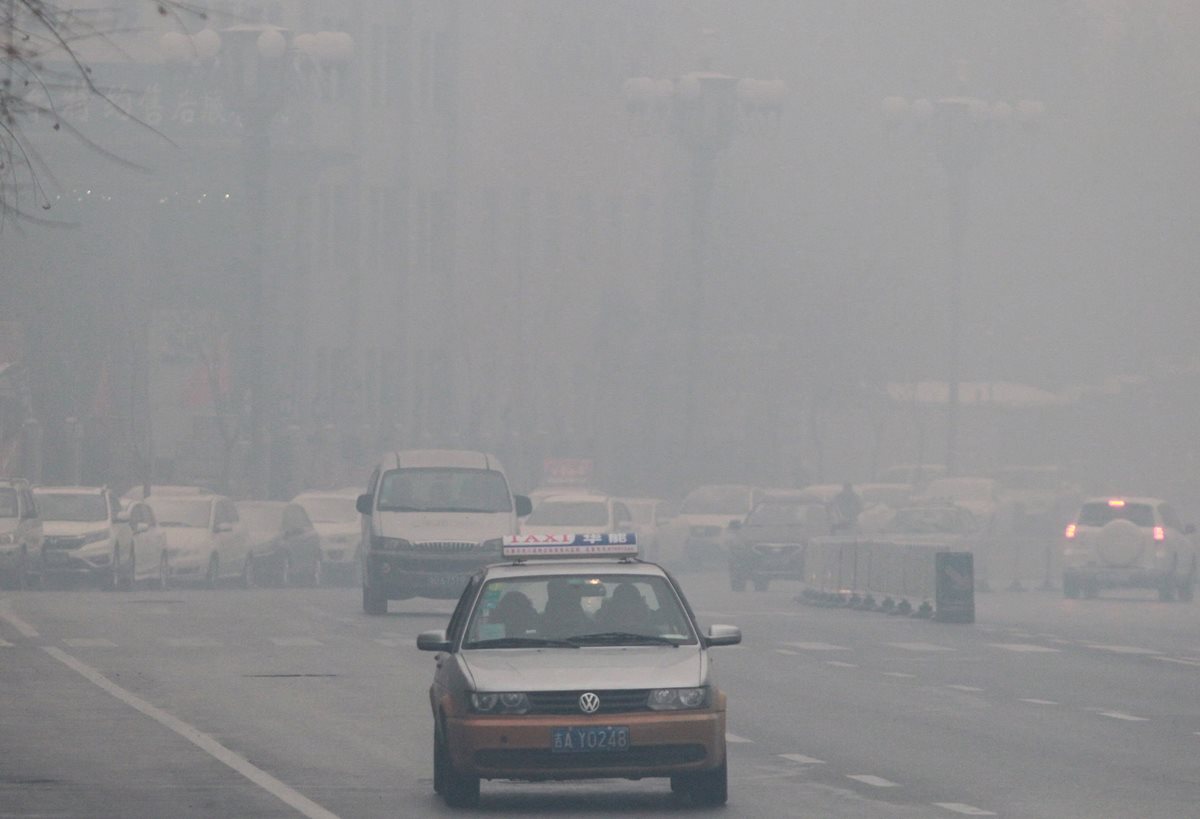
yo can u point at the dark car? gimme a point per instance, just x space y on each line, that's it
769 544
283 543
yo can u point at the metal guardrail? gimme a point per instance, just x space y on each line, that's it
930 579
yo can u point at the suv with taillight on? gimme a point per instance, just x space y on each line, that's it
430 519
576 660
1129 542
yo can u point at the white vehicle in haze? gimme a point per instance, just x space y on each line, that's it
206 542
337 522
1129 542
580 513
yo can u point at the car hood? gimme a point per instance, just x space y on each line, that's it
465 526
186 538
564 669
72 528
331 530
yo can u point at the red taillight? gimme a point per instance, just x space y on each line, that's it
1159 533
1070 533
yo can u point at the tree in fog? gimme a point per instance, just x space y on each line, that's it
39 62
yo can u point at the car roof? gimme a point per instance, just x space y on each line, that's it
576 497
447 458
538 568
69 490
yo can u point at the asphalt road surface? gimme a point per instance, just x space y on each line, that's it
287 702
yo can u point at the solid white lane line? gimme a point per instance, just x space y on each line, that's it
295 641
1122 716
840 664
1123 649
818 647
787 651
1039 702
89 642
873 781
1025 647
899 674
191 642
930 647
966 810
1179 661
16 622
968 688
198 738
801 759
736 739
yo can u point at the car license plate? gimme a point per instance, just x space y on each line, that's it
590 739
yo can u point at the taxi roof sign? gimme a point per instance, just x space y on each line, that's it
569 545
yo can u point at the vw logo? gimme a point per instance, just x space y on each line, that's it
589 703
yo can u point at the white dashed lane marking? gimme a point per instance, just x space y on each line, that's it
1124 649
1024 647
1121 715
900 675
968 688
16 622
801 759
818 647
1195 663
736 739
191 642
295 641
873 781
1039 702
964 809
924 647
89 642
787 651
840 664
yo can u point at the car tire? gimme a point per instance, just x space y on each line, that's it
373 602
284 578
248 579
214 572
21 581
317 578
704 788
129 578
459 790
761 584
164 572
439 763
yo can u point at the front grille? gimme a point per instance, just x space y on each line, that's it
62 542
442 546
644 756
567 702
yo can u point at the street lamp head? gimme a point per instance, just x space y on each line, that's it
271 44
305 44
334 47
207 43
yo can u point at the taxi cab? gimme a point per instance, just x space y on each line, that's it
576 660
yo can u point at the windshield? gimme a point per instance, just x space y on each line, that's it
585 609
261 517
561 513
186 512
330 509
444 490
716 500
1098 514
72 507
788 514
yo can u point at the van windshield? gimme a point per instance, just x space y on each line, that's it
433 489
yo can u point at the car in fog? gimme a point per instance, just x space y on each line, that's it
980 496
649 516
582 668
282 542
430 519
206 542
704 518
879 500
340 529
86 536
933 520
1129 542
20 534
138 492
579 513
770 543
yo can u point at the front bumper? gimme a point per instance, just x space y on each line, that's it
519 747
442 576
1118 578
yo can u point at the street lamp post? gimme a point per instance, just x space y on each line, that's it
959 128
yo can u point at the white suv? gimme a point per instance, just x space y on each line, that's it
1128 542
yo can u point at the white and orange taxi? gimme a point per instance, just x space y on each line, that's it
576 660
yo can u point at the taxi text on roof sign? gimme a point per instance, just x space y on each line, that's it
616 544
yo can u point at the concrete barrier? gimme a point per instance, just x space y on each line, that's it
891 575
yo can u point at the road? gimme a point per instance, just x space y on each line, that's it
286 702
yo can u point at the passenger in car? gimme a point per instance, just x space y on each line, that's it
564 615
516 613
626 610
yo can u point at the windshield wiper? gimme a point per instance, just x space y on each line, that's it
617 637
521 642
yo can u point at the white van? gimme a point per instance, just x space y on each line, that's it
430 519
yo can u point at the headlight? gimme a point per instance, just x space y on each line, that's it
389 544
511 702
677 699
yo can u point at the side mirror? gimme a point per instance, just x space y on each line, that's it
524 505
433 641
363 504
723 636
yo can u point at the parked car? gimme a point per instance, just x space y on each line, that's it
770 543
578 513
20 535
337 522
980 496
206 542
649 515
285 546
1129 542
86 537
